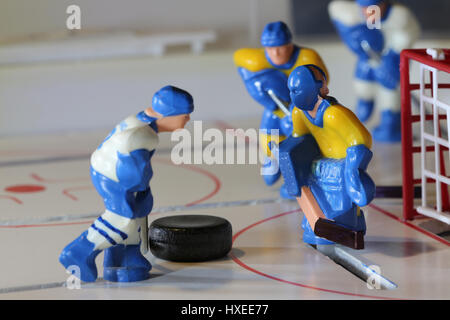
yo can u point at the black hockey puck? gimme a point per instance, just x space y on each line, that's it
190 238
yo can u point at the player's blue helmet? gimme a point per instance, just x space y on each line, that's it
275 34
304 88
172 101
366 3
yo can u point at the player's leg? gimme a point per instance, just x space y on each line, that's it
106 231
327 185
110 230
125 262
389 128
365 89
271 170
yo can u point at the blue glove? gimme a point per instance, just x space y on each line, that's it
358 184
143 203
286 126
258 83
296 158
353 35
388 72
134 171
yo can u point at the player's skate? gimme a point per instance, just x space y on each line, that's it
389 129
81 253
125 263
364 109
270 179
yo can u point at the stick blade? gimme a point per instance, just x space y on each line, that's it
331 231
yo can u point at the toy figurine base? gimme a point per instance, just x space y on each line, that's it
124 274
330 230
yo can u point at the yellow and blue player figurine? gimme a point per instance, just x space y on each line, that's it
377 74
268 68
328 151
121 171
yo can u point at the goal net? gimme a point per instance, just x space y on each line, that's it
425 103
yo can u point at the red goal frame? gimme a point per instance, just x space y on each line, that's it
408 119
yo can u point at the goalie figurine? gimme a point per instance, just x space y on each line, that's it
267 69
324 162
376 31
121 171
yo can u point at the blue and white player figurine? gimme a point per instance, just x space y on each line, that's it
377 44
267 69
121 171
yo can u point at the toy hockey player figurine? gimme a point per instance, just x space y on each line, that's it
324 162
378 44
121 171
266 69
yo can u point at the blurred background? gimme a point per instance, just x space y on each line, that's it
56 80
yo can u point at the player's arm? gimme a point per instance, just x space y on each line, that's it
259 77
296 157
358 184
133 168
401 35
405 29
346 17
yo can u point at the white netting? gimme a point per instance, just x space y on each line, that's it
435 143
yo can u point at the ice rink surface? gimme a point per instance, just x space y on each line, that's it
47 200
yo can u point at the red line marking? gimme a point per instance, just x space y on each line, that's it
262 221
67 193
216 181
217 184
210 175
224 126
25 188
214 178
36 152
247 267
406 223
12 198
37 177
45 225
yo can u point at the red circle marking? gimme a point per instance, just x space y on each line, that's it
247 267
211 176
214 178
25 188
